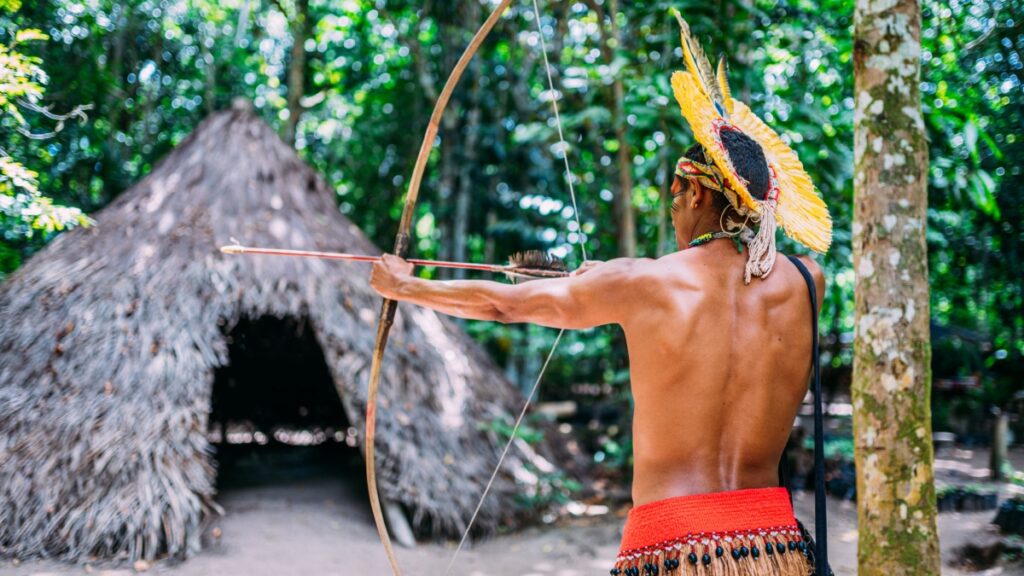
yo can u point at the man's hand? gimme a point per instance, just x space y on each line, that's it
389 274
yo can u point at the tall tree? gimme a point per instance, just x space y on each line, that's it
300 25
611 48
892 352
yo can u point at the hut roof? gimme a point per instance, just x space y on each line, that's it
110 336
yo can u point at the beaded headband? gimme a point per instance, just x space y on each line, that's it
711 177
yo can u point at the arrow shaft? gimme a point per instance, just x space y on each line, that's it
359 258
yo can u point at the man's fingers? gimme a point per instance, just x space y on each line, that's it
396 264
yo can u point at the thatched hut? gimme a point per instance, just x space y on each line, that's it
113 339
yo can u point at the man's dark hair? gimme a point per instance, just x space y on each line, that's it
746 156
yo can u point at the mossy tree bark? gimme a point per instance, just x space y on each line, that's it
892 351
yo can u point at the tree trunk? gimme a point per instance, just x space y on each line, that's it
892 352
451 35
998 457
297 68
113 106
471 134
624 195
210 69
625 222
664 178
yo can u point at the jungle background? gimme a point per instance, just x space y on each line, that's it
95 92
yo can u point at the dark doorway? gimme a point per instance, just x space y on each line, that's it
276 417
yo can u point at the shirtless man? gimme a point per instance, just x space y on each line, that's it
718 368
719 365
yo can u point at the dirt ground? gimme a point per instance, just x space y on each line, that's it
322 527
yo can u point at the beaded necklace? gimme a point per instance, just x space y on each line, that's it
709 236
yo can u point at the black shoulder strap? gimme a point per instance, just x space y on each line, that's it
820 526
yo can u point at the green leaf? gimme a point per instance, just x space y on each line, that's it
28 34
971 138
983 187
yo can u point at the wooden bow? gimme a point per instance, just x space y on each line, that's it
387 310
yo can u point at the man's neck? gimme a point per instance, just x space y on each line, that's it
704 225
698 231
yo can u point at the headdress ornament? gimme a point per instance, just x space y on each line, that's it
791 200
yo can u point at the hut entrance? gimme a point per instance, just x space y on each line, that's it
276 418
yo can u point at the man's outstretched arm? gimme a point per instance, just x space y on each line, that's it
574 302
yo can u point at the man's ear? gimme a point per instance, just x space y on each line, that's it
700 194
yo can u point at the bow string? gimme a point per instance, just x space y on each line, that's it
563 148
401 249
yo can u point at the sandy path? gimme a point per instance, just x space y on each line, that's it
323 528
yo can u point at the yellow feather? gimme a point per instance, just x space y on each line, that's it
684 39
801 211
723 84
697 63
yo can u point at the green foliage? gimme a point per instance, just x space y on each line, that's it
24 211
841 448
152 69
545 488
971 95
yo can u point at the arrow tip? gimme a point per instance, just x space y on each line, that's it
232 249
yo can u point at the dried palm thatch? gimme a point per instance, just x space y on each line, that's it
109 339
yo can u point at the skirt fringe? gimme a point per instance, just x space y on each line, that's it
771 552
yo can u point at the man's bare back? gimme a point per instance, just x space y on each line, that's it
718 371
718 368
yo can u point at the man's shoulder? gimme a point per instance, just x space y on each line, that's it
640 270
614 270
812 266
817 273
629 265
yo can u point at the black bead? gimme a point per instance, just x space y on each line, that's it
706 559
792 545
755 552
736 554
769 549
718 552
780 548
651 569
744 551
616 572
692 557
671 564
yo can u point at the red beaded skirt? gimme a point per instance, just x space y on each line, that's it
738 533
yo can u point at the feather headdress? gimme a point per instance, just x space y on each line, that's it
791 200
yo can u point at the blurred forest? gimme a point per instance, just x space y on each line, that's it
94 92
